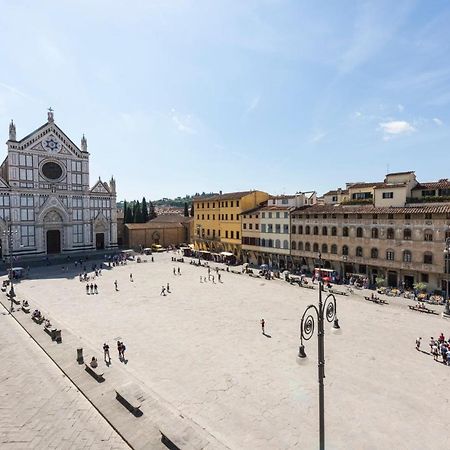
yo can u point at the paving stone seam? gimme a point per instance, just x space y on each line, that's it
67 376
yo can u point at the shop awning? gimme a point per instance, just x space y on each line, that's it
226 254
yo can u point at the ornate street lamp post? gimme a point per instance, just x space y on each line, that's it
326 310
446 260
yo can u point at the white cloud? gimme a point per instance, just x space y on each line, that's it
317 137
438 121
14 91
396 128
253 104
183 123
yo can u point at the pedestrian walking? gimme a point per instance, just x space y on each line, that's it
220 277
92 288
87 289
435 352
122 350
106 352
432 343
174 272
263 324
168 288
95 289
163 291
153 259
119 349
443 349
212 276
418 343
131 277
179 271
115 285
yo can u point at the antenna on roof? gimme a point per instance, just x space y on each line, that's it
387 168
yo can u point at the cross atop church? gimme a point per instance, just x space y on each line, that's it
50 114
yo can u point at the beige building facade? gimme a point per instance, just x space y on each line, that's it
266 230
217 222
165 230
402 245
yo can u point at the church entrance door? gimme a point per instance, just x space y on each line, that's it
53 241
100 241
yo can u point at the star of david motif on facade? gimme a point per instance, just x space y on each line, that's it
51 144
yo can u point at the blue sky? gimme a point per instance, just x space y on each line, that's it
179 96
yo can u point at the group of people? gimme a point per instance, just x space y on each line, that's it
439 348
211 277
106 355
37 315
165 289
91 288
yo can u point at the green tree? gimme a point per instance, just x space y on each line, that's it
421 287
137 212
128 213
192 210
380 282
144 211
186 210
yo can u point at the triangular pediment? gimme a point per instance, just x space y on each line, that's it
3 184
49 138
100 222
53 203
100 188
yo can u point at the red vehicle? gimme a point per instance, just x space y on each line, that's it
325 274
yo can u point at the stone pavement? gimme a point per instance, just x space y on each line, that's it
200 352
39 407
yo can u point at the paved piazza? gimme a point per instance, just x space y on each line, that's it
201 349
39 407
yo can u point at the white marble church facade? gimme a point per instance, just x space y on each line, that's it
46 203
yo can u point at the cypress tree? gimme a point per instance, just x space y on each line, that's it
128 217
186 210
137 212
144 212
192 210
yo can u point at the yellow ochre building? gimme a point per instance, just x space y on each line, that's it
217 222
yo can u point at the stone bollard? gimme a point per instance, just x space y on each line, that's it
80 358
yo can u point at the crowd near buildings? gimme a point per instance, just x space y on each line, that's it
397 229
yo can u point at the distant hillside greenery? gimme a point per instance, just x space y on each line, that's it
136 212
179 201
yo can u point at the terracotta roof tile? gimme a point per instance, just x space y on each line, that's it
441 184
358 209
365 185
226 196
